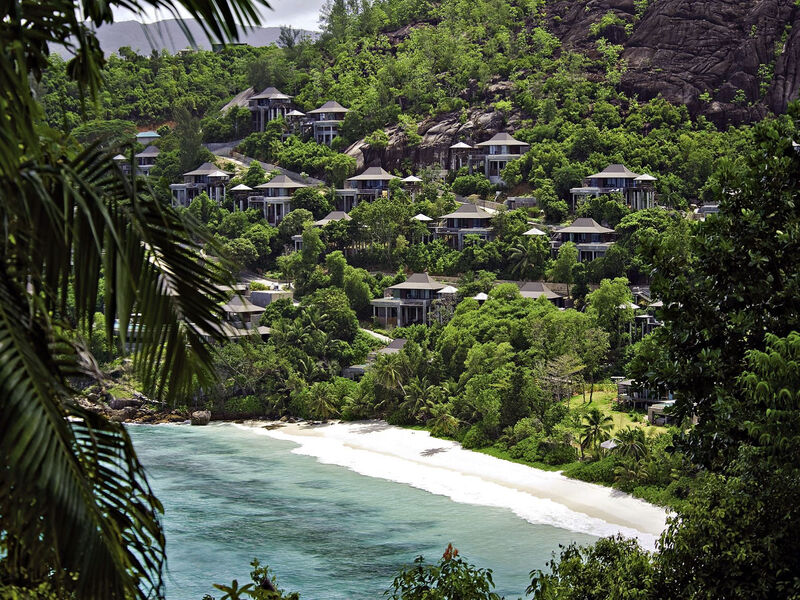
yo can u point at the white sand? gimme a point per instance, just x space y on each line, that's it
376 449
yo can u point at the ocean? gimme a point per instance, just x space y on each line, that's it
232 494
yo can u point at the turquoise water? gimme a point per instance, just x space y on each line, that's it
230 496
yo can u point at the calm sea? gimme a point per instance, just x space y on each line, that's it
230 496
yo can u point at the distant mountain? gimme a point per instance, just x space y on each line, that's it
167 35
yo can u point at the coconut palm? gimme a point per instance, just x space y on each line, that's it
420 398
76 512
527 258
442 422
596 428
631 443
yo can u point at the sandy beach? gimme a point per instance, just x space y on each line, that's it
376 449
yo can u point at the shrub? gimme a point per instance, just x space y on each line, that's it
527 449
601 471
558 453
466 185
476 438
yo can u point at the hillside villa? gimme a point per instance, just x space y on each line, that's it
146 159
275 197
498 152
267 106
326 121
407 303
370 184
537 289
592 239
467 219
205 178
638 191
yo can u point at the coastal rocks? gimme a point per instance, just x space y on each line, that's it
200 417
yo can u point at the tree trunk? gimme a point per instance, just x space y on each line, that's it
591 391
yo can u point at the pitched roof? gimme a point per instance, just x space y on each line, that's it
536 289
270 93
149 151
412 179
207 169
282 181
646 177
418 281
336 215
460 146
394 346
295 113
241 188
616 171
534 231
120 157
372 174
147 134
468 211
331 106
237 304
481 296
448 290
585 225
502 139
421 217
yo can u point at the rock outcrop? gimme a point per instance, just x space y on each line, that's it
201 417
733 61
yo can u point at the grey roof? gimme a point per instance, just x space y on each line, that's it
237 304
372 174
336 215
460 146
418 281
270 93
149 151
295 113
468 211
331 106
615 171
502 139
536 289
585 225
282 181
207 169
393 347
646 177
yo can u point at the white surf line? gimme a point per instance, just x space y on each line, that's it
414 458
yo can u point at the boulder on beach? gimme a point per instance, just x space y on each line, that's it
201 417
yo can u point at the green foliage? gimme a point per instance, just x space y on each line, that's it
315 200
467 185
452 577
378 139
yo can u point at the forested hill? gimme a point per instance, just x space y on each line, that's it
168 35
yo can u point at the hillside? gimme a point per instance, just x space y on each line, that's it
167 35
733 61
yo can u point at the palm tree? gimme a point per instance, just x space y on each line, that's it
419 398
596 428
76 512
632 443
527 259
442 422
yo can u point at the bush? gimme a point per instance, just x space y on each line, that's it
601 471
558 453
466 185
476 438
527 449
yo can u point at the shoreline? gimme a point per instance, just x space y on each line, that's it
414 457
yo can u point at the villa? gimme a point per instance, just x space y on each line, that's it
468 219
147 137
146 159
331 217
267 106
459 155
205 178
592 239
637 190
499 151
407 303
326 121
370 184
275 201
537 289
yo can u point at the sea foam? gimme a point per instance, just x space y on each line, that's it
414 458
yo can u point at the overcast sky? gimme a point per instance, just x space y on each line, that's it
301 14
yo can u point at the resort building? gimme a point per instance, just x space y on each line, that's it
370 184
331 217
267 106
123 163
240 193
147 137
592 239
205 178
537 289
326 121
498 152
638 191
407 303
459 155
146 159
646 323
467 219
632 394
275 197
295 120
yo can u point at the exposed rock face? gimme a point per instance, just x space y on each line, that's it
684 48
201 417
438 134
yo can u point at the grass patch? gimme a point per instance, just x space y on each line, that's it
604 400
